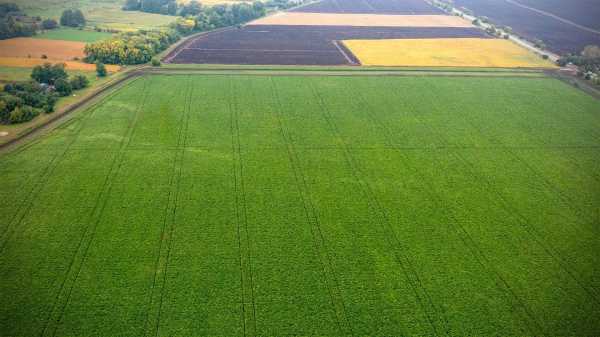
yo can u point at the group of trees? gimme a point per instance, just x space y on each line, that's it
588 63
140 47
72 18
130 47
13 23
219 16
21 102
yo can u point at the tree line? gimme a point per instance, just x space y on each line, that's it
140 47
23 101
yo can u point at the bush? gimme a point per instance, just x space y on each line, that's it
79 82
101 69
49 24
48 73
63 87
155 62
23 114
72 18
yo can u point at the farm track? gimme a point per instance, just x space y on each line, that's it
467 239
411 275
71 276
241 211
167 238
337 300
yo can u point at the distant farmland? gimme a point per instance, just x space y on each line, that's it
308 205
560 37
308 45
414 7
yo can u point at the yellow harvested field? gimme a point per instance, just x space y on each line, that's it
461 52
362 20
22 62
35 48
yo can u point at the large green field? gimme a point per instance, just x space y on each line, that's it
308 205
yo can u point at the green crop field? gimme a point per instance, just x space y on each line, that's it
106 14
72 34
308 205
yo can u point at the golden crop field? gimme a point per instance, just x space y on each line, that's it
23 62
453 52
55 50
364 20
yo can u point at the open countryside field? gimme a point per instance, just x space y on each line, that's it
414 7
293 45
465 52
307 205
73 34
29 47
362 20
582 12
106 14
558 36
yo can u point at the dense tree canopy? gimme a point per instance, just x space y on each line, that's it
13 23
72 18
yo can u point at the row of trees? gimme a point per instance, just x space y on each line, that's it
140 47
21 102
194 7
130 47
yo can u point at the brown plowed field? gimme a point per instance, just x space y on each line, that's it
362 20
303 45
55 50
558 36
370 6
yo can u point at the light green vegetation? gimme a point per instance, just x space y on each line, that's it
10 74
98 13
307 205
115 18
72 34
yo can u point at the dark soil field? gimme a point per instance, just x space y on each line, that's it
370 6
582 12
559 37
288 45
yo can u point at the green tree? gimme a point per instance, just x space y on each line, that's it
49 24
63 87
49 73
101 69
79 82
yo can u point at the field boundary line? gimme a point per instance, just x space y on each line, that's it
350 60
43 179
58 310
462 233
332 283
169 224
242 219
403 261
